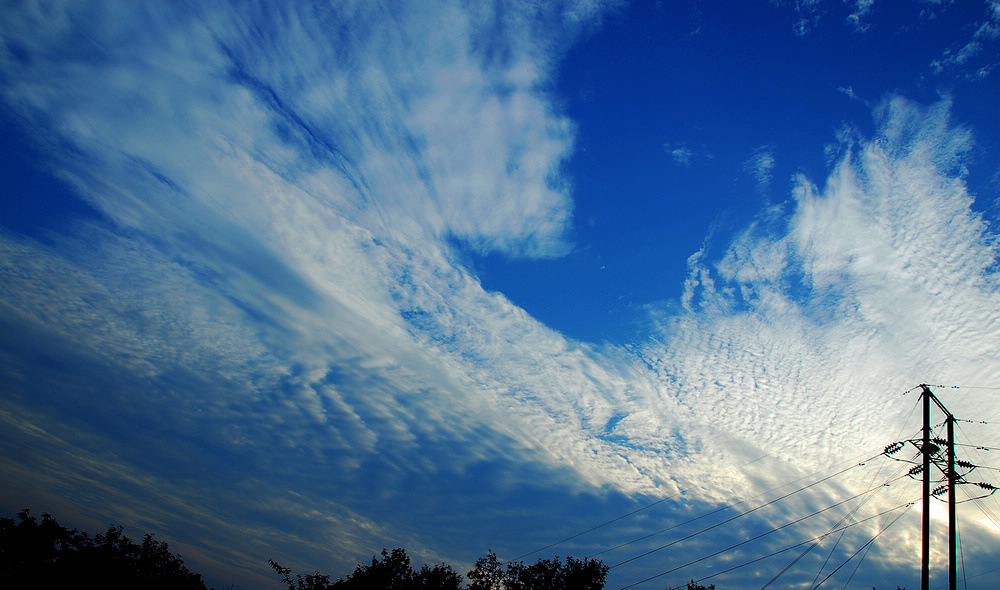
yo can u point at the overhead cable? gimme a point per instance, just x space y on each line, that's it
790 547
740 515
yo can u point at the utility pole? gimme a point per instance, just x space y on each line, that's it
952 517
925 449
930 449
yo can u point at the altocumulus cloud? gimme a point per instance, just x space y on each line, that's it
263 327
802 335
796 342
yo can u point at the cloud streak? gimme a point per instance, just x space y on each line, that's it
966 57
272 297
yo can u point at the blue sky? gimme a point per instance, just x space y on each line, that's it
301 281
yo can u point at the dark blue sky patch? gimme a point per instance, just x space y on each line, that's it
34 201
610 426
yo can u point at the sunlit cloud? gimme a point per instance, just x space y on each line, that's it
873 269
269 323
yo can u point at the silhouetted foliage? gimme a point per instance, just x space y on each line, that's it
392 571
552 574
545 574
489 573
315 581
47 555
440 577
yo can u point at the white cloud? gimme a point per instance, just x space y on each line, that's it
681 155
456 137
277 279
967 57
309 184
278 208
861 8
761 166
883 279
849 92
807 12
383 288
799 341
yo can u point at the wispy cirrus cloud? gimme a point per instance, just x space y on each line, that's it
272 280
272 269
681 155
684 155
809 13
462 141
761 167
969 57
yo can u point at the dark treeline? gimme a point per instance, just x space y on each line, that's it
46 555
392 571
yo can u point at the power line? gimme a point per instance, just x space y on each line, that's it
836 544
906 506
979 575
863 410
793 562
815 544
637 510
926 449
972 446
602 525
717 510
978 500
961 552
740 515
870 541
847 516
989 513
774 530
646 507
986 387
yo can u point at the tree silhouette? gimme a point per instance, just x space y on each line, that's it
489 573
314 581
47 555
553 574
392 571
439 577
